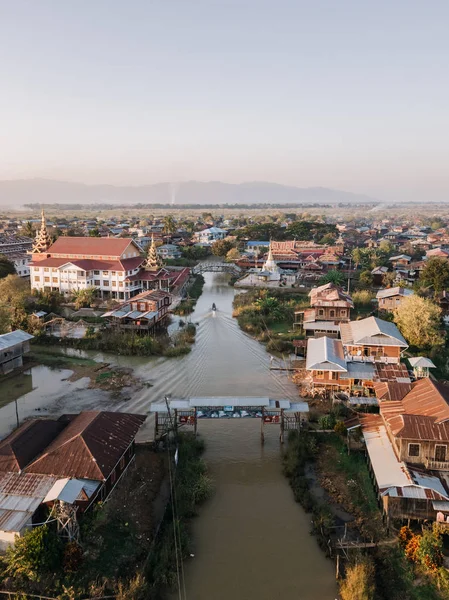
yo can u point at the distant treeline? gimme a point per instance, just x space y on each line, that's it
71 207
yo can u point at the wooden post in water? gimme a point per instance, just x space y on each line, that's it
155 426
337 572
262 431
281 433
195 423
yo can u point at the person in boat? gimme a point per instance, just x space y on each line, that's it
214 307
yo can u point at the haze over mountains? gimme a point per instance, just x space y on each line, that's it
16 193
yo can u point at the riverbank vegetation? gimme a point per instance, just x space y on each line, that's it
187 306
268 316
326 480
127 548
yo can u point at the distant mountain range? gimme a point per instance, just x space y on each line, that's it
15 193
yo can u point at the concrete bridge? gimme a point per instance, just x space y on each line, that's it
172 413
216 267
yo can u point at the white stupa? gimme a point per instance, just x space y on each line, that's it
270 270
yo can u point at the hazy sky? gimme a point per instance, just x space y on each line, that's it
341 93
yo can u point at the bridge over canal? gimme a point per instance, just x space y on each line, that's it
172 413
216 267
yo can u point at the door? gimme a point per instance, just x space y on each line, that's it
440 453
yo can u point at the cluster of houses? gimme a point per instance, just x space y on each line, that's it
51 468
360 363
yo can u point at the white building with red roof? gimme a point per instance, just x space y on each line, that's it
114 266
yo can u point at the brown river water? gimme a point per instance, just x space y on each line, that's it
251 540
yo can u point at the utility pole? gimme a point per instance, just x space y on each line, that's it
349 274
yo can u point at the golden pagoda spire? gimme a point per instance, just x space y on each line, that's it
42 241
153 261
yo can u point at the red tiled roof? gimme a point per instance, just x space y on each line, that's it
90 446
126 264
90 246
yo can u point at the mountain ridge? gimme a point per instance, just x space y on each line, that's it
16 192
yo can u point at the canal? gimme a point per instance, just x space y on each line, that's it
251 540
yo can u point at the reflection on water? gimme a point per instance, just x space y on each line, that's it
252 540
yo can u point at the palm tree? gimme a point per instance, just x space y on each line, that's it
28 229
169 224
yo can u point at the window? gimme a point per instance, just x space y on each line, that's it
414 449
46 269
37 278
54 279
97 282
343 312
142 306
105 282
105 273
332 313
334 376
47 279
96 272
122 463
321 312
319 375
440 453
113 273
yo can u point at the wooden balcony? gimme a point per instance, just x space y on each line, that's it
437 465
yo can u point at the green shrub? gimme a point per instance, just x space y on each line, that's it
340 428
34 555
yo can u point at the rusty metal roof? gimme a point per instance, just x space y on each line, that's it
90 446
26 442
391 390
422 414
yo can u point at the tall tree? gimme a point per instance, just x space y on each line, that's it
419 321
6 267
332 276
169 224
28 229
221 247
436 274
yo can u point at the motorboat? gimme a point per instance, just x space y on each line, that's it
214 308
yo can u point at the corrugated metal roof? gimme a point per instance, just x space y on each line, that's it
441 505
325 354
388 470
25 443
389 390
427 480
396 291
358 370
71 490
371 332
421 361
8 340
14 520
90 445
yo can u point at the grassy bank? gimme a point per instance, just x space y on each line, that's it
388 571
268 316
186 307
193 487
125 343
